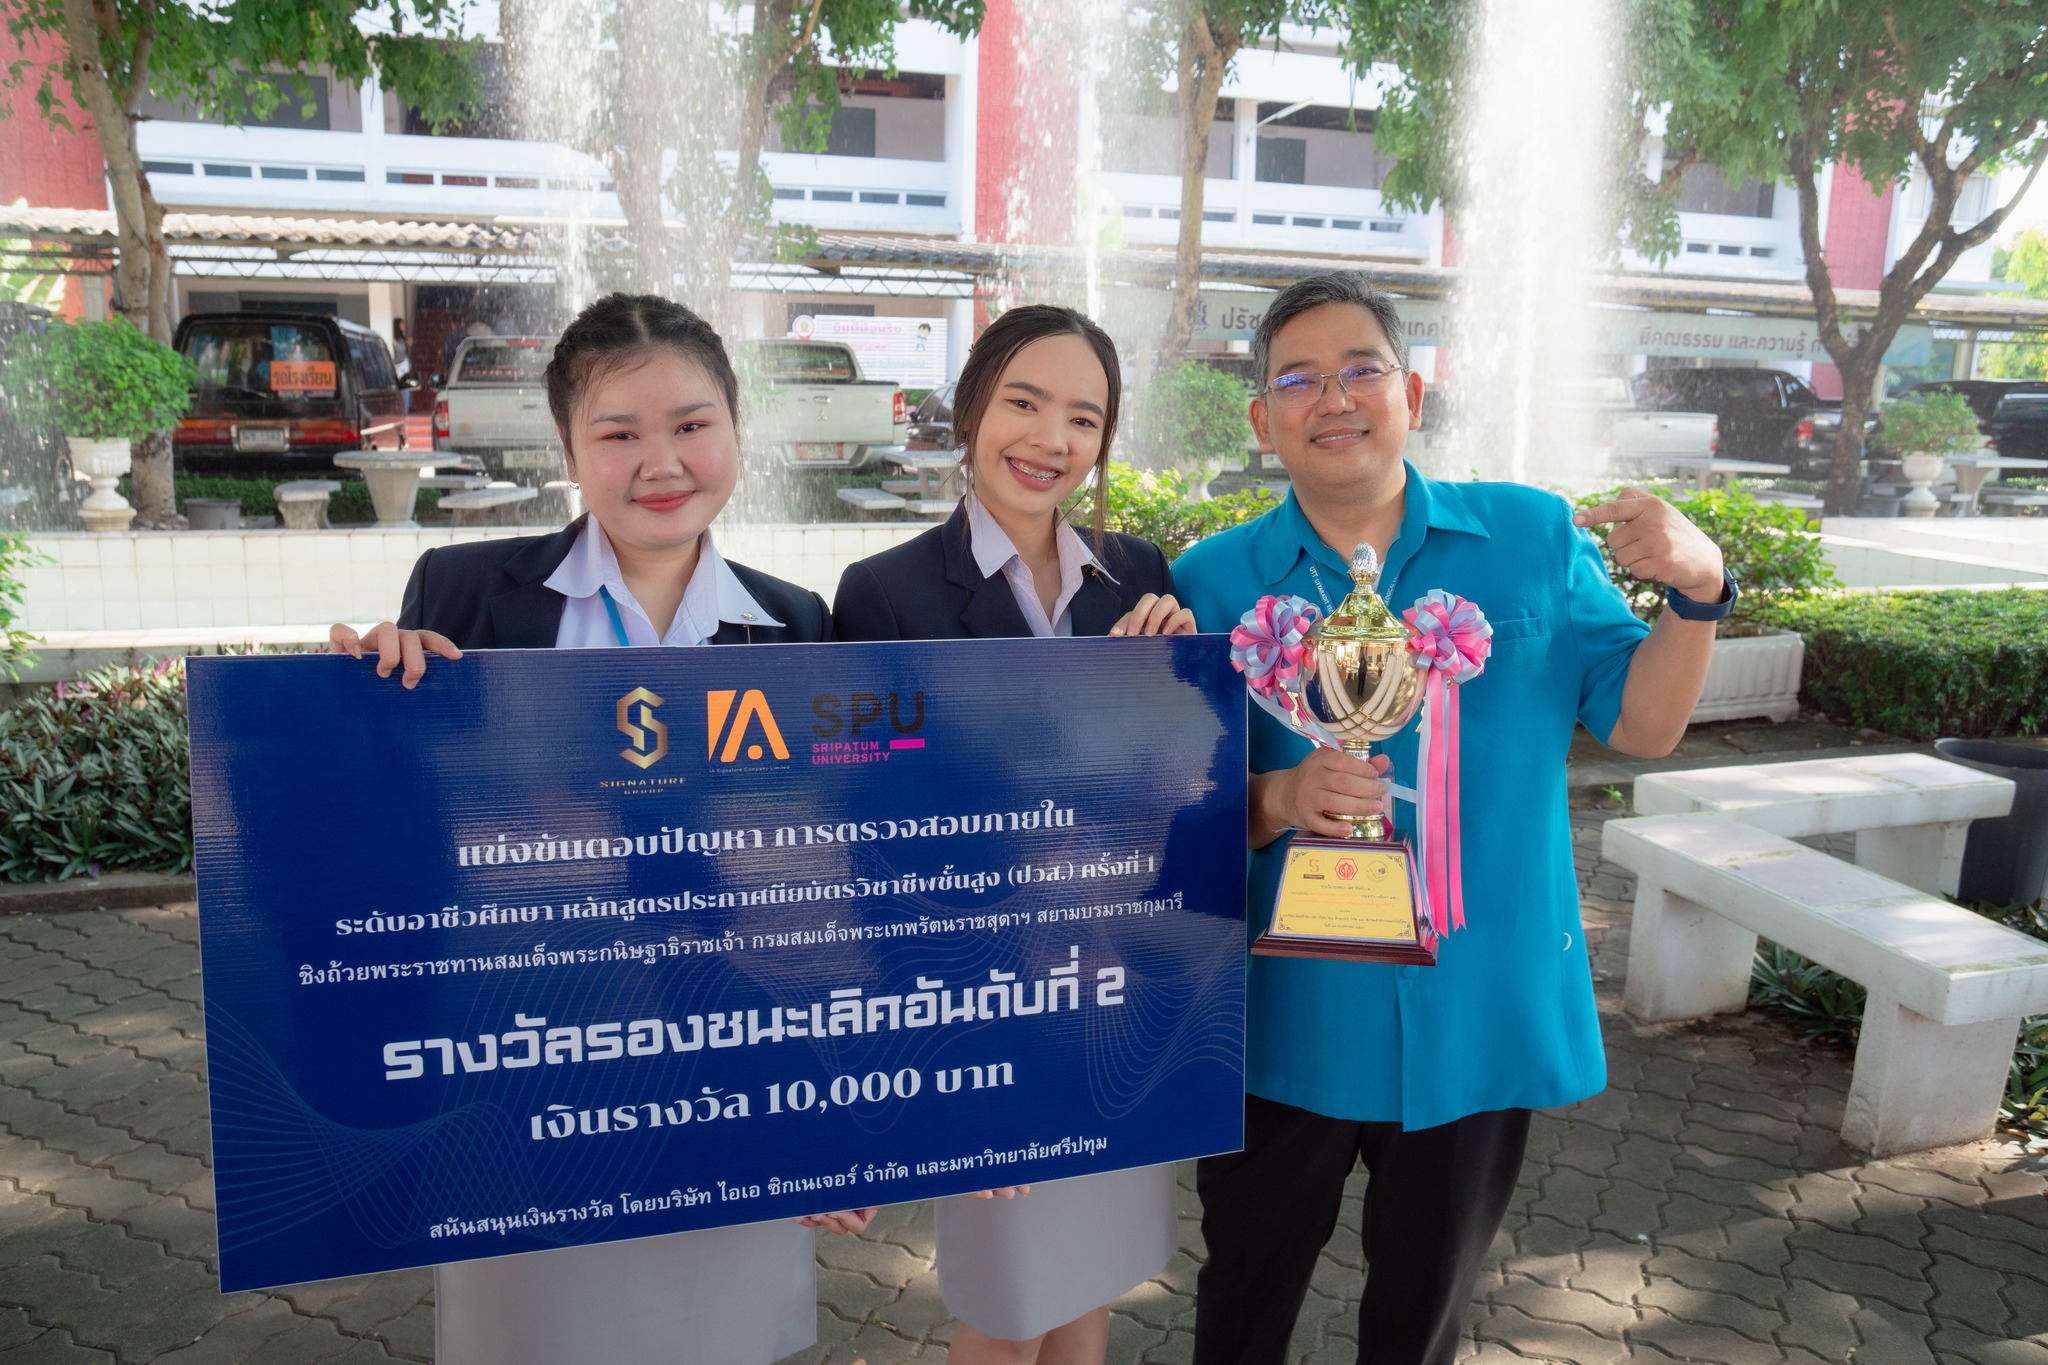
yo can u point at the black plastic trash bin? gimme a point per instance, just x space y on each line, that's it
2006 861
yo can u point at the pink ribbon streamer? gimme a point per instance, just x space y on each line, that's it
1452 640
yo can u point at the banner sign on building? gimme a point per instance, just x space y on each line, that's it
577 946
906 351
1233 315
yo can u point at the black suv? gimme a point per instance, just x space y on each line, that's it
283 393
2019 425
1764 414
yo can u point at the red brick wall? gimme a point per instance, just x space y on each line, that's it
1857 245
1026 133
47 166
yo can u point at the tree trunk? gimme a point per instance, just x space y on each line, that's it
1845 475
1200 65
142 271
637 161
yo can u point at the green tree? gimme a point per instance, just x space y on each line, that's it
2026 265
1419 123
672 90
223 60
1888 90
1205 37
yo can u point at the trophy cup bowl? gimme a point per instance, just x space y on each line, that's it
1360 680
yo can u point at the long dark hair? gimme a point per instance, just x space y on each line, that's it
996 347
621 330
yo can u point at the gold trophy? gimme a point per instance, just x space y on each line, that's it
1358 898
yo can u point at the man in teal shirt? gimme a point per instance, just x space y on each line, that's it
1428 1074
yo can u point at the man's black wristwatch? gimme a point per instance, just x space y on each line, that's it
1689 610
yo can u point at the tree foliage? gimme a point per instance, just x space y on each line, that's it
2025 263
1884 91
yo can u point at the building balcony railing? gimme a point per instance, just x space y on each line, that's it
863 193
1262 214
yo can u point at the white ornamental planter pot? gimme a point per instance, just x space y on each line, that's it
1920 471
104 462
1755 675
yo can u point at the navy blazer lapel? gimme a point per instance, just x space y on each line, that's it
991 612
529 614
1096 606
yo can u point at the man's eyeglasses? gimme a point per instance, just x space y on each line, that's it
1300 390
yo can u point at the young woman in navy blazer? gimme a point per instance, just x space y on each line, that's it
645 400
1031 1278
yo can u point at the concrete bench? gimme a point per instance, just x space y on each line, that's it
494 505
907 488
931 507
2013 499
1947 988
455 483
871 502
1805 502
302 503
1910 813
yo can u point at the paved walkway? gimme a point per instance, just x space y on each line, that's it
1702 1208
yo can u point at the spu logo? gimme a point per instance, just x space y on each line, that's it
752 713
648 737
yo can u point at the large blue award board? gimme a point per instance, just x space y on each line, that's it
577 946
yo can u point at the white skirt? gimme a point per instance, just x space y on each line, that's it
1014 1269
725 1296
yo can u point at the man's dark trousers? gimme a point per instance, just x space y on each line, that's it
1434 1201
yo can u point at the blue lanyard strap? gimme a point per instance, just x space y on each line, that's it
611 609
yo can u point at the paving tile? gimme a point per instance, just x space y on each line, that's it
1693 1339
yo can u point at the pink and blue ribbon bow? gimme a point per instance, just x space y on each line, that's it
1452 641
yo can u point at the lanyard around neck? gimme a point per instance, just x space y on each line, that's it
611 609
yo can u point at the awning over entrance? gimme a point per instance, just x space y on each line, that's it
512 250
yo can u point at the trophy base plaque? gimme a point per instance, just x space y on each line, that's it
1350 900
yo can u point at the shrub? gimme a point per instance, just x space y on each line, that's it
1924 664
14 641
1939 424
349 503
1768 546
101 380
93 775
1194 417
1159 506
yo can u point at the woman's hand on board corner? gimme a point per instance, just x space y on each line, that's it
1001 1192
405 650
845 1222
1156 615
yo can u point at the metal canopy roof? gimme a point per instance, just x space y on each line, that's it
528 249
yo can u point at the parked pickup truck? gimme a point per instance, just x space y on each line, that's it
1765 414
1639 440
493 408
821 412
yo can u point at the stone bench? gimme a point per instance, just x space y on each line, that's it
1805 502
871 502
907 488
494 505
456 483
931 507
2013 499
1910 813
1947 988
302 503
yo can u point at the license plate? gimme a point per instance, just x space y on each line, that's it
262 438
536 457
819 450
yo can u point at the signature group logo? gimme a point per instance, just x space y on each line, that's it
647 737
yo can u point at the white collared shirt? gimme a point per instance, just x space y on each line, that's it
995 553
715 595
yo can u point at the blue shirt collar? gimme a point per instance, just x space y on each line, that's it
1284 536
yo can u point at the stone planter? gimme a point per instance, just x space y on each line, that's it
104 462
1920 470
1753 675
2006 859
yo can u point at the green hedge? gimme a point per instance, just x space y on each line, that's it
93 776
1922 665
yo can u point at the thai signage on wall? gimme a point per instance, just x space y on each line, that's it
906 351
